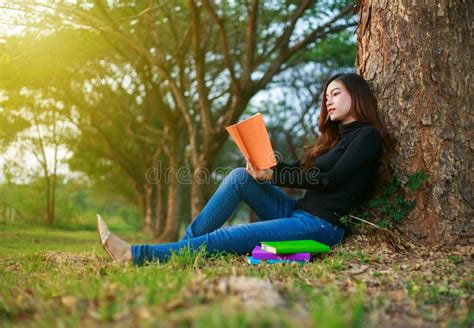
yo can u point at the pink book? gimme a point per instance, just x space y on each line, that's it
259 253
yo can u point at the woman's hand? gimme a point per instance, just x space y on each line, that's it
265 175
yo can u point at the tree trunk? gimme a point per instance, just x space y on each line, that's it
52 207
173 179
160 210
200 190
147 207
171 226
416 57
48 217
54 178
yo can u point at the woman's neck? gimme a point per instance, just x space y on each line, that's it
348 120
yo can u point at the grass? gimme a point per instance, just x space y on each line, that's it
52 277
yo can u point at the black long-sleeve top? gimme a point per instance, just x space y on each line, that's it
341 178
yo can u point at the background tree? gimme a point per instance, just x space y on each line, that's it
37 130
151 84
101 98
227 53
415 55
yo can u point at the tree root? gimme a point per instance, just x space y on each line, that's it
395 242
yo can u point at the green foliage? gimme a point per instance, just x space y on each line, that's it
416 180
347 221
76 206
454 258
337 51
390 205
11 124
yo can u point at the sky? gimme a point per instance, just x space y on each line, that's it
6 16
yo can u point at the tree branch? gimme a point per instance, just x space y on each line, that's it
203 92
284 39
250 41
276 65
225 48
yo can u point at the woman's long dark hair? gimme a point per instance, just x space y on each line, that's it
363 109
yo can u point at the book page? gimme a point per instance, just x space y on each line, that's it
234 133
253 138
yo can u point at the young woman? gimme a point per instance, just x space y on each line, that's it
337 172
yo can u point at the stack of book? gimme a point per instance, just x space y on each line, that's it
298 251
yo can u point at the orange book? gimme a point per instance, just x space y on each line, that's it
252 138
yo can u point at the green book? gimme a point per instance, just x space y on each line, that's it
294 246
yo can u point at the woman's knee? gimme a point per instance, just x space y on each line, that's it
239 175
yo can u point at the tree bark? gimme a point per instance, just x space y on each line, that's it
171 224
160 210
200 189
172 177
48 217
148 205
416 57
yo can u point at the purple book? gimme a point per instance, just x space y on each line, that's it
259 253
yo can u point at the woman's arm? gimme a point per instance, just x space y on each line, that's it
280 164
267 174
364 147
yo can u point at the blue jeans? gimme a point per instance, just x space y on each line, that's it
279 220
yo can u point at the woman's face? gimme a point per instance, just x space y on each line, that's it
338 102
